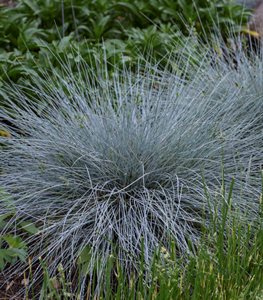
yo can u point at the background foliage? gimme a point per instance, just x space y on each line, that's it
123 29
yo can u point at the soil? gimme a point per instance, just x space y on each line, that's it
256 22
10 3
8 290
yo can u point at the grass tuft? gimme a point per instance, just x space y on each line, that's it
126 163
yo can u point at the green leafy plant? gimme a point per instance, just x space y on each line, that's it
12 248
37 25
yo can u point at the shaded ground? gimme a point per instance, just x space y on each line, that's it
8 290
7 3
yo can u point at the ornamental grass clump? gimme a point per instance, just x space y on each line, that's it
129 162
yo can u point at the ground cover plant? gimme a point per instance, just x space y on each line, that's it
131 162
30 27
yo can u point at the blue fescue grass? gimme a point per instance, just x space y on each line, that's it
221 269
131 161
